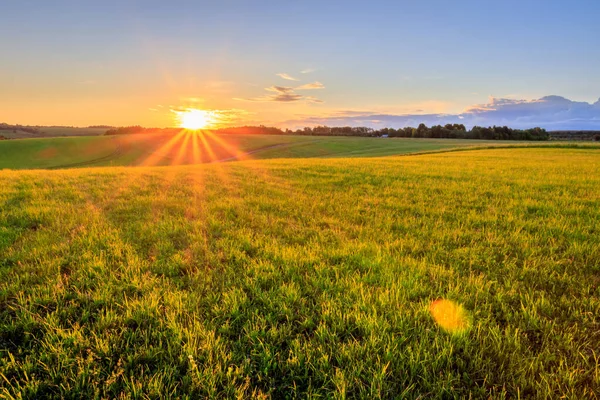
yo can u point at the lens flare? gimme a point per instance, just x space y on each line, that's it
194 119
450 316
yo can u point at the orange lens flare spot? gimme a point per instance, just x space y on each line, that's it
450 316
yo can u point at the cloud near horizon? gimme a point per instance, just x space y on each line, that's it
550 112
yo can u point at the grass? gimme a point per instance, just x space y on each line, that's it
51 152
453 275
188 148
345 147
155 149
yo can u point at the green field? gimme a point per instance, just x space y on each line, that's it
50 131
191 148
305 278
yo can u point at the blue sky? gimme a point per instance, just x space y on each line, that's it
126 62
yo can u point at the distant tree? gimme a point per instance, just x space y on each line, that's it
421 131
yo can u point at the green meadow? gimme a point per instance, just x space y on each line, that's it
191 148
465 274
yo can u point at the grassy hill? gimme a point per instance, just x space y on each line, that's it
192 148
446 276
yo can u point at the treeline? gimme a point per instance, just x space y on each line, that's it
247 130
449 131
6 127
250 130
136 129
459 131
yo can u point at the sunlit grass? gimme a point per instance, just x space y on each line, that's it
170 149
313 278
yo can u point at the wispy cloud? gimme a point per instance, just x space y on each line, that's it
312 99
283 94
280 89
287 94
286 76
307 70
314 85
280 94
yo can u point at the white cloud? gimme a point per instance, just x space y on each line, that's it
312 99
314 85
286 76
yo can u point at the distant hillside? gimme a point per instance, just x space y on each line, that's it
10 131
17 131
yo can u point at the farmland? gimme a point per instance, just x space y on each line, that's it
467 273
191 148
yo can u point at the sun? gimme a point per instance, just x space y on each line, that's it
194 119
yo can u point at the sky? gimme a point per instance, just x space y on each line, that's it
296 63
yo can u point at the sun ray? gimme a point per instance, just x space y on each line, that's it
181 156
235 152
154 157
243 156
213 159
211 154
196 150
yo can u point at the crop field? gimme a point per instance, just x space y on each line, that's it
190 148
451 275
